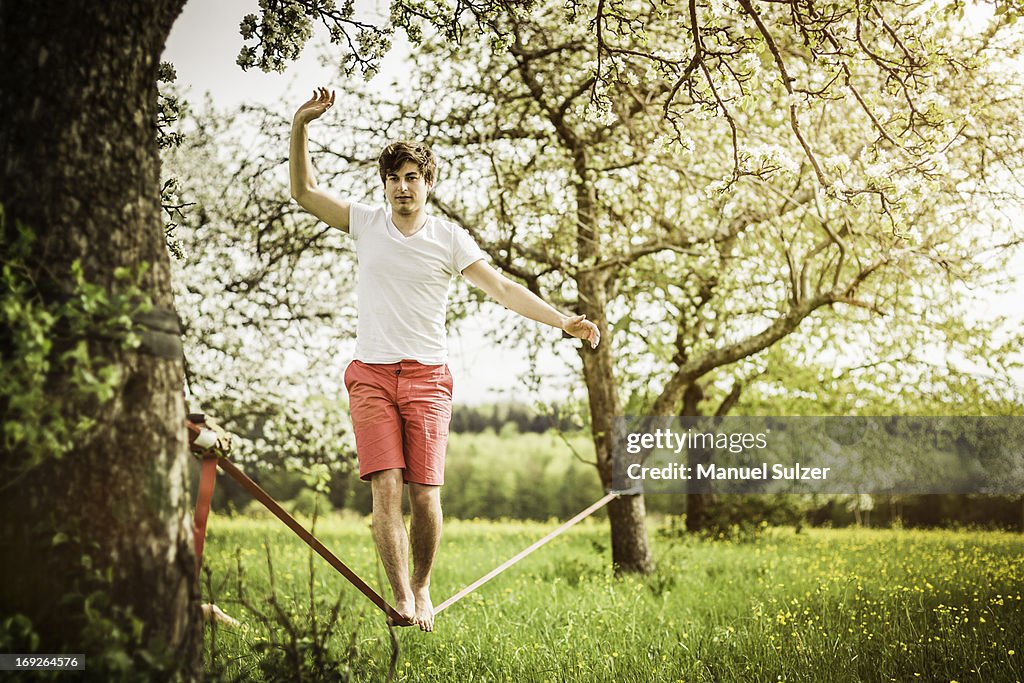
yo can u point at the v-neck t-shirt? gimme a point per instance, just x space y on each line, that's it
403 285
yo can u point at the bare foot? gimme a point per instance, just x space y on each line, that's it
407 610
424 609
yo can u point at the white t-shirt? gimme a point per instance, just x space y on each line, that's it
403 285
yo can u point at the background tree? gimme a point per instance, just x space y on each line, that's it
767 172
265 296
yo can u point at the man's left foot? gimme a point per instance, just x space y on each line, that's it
424 609
405 611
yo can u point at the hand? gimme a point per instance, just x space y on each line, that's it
581 328
315 107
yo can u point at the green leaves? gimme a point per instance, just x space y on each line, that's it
53 379
317 476
17 634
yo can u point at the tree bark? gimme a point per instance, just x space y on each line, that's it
79 166
627 515
700 504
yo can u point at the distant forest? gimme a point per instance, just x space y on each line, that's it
494 416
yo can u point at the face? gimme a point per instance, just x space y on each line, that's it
406 189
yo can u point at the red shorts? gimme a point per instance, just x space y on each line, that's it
400 416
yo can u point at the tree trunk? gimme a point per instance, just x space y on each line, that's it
630 550
627 515
98 541
701 503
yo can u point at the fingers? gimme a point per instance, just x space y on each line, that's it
321 101
590 333
593 334
581 328
325 96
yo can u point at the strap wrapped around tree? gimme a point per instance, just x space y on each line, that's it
208 441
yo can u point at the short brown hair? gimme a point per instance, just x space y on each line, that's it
397 153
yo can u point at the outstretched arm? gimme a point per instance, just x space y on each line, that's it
330 210
515 297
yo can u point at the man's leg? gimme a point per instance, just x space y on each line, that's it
391 539
425 502
425 403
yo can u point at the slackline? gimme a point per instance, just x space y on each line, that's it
511 561
206 484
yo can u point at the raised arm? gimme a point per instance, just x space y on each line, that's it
515 297
327 208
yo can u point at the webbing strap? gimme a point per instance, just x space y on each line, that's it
300 531
508 563
207 482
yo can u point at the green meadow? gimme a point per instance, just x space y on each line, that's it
818 605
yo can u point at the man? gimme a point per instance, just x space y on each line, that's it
400 390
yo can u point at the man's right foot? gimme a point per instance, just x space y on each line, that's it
406 609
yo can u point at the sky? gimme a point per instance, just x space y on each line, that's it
203 46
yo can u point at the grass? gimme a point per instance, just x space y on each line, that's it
821 605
